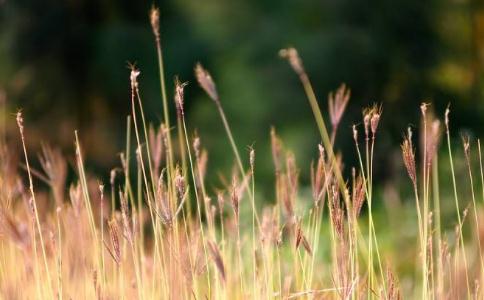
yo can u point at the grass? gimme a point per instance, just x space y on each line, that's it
170 237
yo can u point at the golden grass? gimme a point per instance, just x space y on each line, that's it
172 238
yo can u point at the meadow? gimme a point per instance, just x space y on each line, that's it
159 230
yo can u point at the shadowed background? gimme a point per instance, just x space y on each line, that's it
64 63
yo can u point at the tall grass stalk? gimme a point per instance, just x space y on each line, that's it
456 199
207 83
159 249
179 100
155 25
33 202
467 154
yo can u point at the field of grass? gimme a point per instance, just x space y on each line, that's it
158 230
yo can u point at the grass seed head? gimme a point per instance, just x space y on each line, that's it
355 134
217 258
206 82
423 109
220 201
301 239
134 77
164 211
366 122
114 234
337 104
467 147
180 184
112 177
155 21
197 146
252 158
447 112
293 58
179 95
358 195
127 230
409 158
337 213
20 122
375 119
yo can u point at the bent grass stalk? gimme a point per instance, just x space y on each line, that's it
207 83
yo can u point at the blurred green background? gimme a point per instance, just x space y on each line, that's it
64 63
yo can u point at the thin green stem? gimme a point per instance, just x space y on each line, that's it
454 185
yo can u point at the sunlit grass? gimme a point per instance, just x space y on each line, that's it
158 230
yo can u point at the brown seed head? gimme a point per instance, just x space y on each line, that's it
321 150
466 143
375 119
358 195
112 177
293 58
319 177
127 232
337 213
122 158
301 239
114 234
179 95
447 112
220 201
217 258
409 158
20 122
337 104
180 184
467 149
423 109
464 213
155 21
134 77
206 82
196 146
393 291
355 134
366 122
252 158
